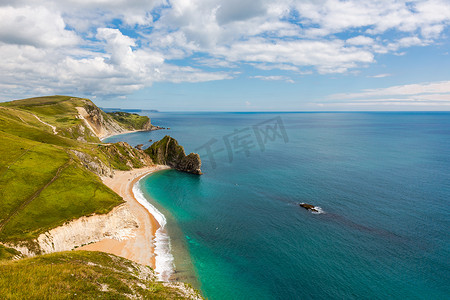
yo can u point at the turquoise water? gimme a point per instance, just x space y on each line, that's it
382 180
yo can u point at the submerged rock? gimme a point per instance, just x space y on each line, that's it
309 207
168 152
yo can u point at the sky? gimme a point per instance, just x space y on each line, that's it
229 55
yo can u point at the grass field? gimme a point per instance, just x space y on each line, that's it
56 110
7 253
42 184
76 192
80 274
129 120
27 171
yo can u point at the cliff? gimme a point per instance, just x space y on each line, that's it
98 122
106 124
168 152
117 224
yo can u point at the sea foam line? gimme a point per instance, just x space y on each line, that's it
164 265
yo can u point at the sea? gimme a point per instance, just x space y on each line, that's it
380 182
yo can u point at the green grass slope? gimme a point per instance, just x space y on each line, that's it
8 253
47 179
42 183
130 120
80 274
59 111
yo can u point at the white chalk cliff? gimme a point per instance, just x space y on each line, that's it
118 224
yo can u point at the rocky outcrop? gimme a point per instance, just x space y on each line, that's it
123 156
168 152
148 126
309 207
118 224
94 164
191 163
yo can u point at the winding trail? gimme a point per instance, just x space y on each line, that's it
45 123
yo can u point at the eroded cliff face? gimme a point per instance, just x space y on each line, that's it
98 122
148 126
94 164
118 224
168 152
122 156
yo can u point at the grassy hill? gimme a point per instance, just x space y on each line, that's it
50 159
47 159
131 120
42 183
84 275
58 111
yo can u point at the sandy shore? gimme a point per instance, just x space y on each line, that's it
141 247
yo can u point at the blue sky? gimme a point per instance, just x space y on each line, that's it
234 55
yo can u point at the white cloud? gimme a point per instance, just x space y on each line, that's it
80 45
36 26
335 16
215 63
441 87
380 75
274 78
284 67
326 56
360 40
423 95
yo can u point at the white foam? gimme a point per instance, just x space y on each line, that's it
164 265
318 211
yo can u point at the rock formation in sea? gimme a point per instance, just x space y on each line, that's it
309 207
168 152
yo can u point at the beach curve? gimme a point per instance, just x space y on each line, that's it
140 248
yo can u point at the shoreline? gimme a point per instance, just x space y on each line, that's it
102 138
141 247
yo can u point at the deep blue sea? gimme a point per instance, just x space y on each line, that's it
237 232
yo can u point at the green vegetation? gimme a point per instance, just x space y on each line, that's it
42 183
23 124
59 111
123 157
75 192
167 151
48 157
8 253
80 274
131 121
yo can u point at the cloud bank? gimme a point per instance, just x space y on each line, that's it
430 94
115 47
